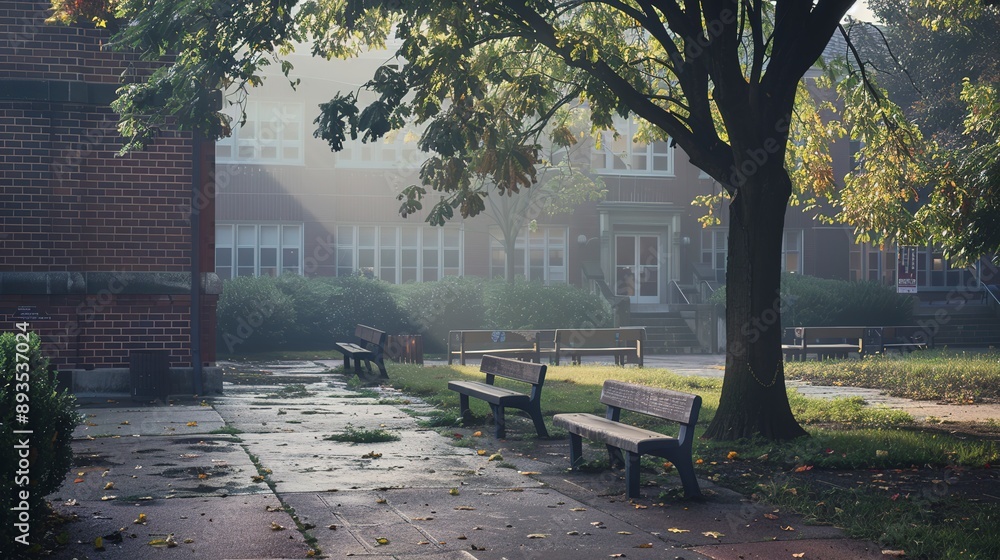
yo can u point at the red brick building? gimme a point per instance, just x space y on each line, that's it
95 248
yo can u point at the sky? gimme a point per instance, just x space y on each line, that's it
861 11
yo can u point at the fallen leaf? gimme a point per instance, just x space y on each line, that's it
380 541
188 541
99 543
799 555
617 555
881 453
676 530
578 509
477 434
202 476
896 553
465 508
106 498
699 461
667 465
573 533
124 423
804 468
275 526
713 534
192 424
423 542
331 527
732 455
422 518
481 452
624 533
457 435
78 481
644 545
770 516
640 506
496 457
453 491
141 520
371 455
109 486
462 538
380 501
257 478
273 508
538 535
787 528
474 547
526 473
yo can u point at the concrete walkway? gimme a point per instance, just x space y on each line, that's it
223 480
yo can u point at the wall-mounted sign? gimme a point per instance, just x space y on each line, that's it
906 270
29 313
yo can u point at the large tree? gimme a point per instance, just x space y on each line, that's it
719 78
938 62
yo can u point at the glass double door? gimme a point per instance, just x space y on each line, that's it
637 268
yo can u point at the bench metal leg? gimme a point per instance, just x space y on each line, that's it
500 422
381 368
632 475
685 468
615 456
463 406
536 417
347 363
575 450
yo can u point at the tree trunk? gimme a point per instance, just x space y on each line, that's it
754 402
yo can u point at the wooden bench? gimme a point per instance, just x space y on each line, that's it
825 342
670 405
623 344
370 347
520 344
883 339
500 397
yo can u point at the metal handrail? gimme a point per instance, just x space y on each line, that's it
711 290
679 290
989 291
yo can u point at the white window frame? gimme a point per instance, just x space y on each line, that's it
425 241
247 144
797 235
715 242
288 238
395 150
551 240
617 157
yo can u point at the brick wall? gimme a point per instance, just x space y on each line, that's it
69 203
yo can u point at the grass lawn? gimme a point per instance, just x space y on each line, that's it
934 374
869 470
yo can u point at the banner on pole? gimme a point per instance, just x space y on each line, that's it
906 270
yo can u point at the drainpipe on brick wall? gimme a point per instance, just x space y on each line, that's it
196 155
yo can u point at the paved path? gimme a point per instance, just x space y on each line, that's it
250 476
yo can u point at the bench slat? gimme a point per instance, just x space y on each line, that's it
512 369
622 436
654 401
489 393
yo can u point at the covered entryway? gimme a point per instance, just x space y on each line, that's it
637 268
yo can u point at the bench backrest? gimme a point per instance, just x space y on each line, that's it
527 372
852 333
486 340
599 338
369 335
653 401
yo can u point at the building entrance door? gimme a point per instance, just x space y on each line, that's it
637 268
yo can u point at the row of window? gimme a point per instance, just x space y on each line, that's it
274 133
714 251
257 249
400 254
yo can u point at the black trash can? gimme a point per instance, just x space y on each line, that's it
149 371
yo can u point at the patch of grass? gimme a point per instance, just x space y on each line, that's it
928 375
227 429
293 391
435 418
363 435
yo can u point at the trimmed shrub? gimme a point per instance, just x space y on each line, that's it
434 308
28 388
360 300
529 305
821 302
253 314
312 300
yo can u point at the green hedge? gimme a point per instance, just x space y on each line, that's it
28 388
295 312
821 302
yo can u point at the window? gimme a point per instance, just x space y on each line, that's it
791 251
272 134
395 150
400 254
257 249
714 250
625 156
539 256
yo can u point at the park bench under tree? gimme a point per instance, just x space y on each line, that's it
500 398
368 346
632 441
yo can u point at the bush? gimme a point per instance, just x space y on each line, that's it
821 302
51 416
253 314
529 305
434 308
295 312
